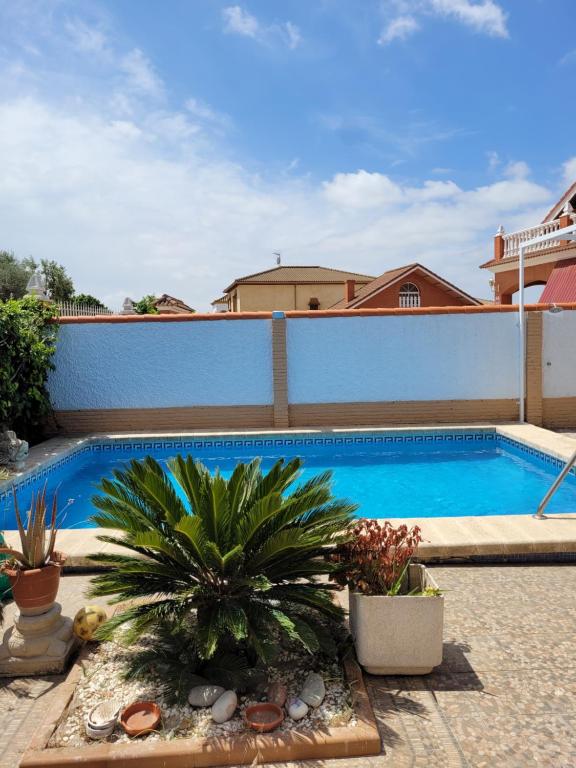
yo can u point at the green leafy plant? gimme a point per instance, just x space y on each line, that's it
171 655
27 344
146 306
88 300
375 558
37 536
245 554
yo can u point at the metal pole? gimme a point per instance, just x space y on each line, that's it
522 328
554 487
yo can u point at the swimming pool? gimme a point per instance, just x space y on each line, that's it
390 474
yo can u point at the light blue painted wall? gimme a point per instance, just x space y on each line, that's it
410 357
162 365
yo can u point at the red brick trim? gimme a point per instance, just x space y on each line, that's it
483 309
182 318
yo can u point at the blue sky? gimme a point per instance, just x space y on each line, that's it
170 147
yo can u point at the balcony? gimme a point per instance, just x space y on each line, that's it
507 245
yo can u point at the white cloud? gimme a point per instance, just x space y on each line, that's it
517 170
204 113
362 190
568 58
134 197
485 16
86 38
399 28
569 171
293 35
238 21
140 73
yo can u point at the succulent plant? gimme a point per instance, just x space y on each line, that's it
36 537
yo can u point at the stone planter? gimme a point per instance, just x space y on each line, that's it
399 635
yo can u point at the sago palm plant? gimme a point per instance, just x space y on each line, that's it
245 554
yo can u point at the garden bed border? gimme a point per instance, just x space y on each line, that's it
237 749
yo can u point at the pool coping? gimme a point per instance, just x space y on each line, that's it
444 537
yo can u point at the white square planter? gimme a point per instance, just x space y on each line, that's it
399 635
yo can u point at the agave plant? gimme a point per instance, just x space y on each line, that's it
246 554
37 538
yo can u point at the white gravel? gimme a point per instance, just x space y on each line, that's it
103 680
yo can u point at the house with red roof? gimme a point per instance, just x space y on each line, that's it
412 285
550 264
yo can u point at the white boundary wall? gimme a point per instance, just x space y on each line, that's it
406 357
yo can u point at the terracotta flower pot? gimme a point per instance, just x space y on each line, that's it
140 718
264 717
35 590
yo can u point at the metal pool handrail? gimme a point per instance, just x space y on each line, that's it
554 487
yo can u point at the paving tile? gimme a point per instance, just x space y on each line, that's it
504 696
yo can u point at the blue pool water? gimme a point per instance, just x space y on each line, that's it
446 475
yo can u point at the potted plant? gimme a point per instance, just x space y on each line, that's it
396 609
34 573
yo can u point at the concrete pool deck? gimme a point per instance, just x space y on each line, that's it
445 538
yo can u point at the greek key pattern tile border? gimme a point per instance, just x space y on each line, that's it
131 445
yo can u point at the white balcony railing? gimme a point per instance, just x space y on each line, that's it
513 240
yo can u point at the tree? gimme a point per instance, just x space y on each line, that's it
58 283
146 305
245 555
14 275
27 344
88 300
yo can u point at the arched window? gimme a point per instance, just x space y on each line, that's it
409 295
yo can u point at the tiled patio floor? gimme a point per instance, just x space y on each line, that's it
504 697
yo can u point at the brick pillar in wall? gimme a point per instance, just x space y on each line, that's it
280 370
534 368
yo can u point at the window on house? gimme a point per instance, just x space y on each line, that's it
314 303
409 295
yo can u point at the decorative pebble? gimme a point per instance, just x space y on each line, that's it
277 693
314 690
297 709
103 680
204 695
224 707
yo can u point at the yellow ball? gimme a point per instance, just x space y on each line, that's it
87 621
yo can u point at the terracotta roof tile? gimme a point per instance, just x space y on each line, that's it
300 274
389 277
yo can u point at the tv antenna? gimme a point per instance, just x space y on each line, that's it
278 257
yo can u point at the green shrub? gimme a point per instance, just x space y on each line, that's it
27 344
245 555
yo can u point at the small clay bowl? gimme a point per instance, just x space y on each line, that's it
264 717
140 717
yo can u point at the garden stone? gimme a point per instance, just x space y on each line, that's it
204 695
314 690
277 693
297 709
224 707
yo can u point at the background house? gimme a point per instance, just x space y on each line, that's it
170 305
290 287
412 285
550 265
